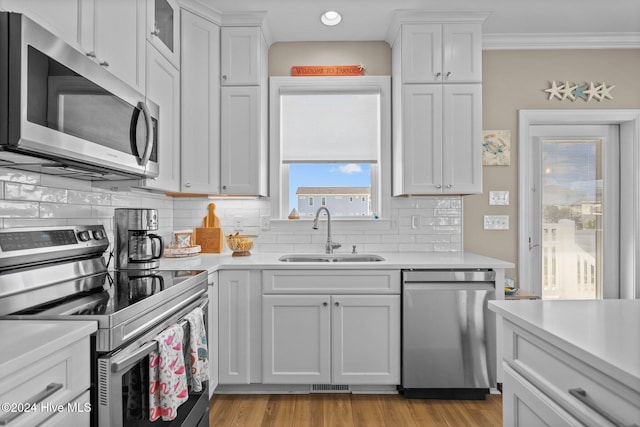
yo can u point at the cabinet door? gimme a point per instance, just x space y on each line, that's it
119 39
523 405
163 88
296 339
163 28
421 161
462 149
200 124
61 17
462 53
241 135
234 351
212 338
421 53
365 339
241 56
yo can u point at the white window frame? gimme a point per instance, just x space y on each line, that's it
629 121
381 172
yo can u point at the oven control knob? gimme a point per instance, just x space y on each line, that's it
98 234
84 236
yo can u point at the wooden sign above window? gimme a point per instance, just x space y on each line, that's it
327 70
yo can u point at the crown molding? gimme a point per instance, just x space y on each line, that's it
202 9
524 41
249 19
409 16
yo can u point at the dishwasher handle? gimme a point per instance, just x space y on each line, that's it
439 276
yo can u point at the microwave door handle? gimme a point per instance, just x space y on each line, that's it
121 363
149 145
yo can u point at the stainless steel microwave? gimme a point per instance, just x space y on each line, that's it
62 113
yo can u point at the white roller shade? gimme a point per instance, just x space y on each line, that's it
338 128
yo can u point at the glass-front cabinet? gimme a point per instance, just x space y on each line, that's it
163 24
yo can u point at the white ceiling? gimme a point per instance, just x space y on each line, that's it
298 20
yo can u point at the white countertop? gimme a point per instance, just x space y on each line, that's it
25 341
393 260
604 333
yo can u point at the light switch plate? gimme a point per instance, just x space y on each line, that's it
265 223
496 222
499 198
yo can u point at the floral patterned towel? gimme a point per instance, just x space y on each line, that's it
199 359
167 375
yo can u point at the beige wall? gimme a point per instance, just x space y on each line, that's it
374 55
512 80
515 80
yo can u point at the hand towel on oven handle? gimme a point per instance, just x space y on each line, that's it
167 375
198 363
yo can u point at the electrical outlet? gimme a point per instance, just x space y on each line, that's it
496 222
415 221
238 223
500 198
265 223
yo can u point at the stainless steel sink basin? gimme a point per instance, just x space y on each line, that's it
331 258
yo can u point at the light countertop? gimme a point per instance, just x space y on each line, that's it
604 333
25 341
392 260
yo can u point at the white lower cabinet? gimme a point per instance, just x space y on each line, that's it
330 339
239 317
212 338
543 382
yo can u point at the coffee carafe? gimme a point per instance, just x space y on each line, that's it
136 246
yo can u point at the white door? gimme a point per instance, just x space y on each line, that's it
296 345
574 206
365 339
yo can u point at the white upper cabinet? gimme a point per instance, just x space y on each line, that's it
441 150
163 88
441 53
61 17
200 128
243 166
163 28
241 57
113 34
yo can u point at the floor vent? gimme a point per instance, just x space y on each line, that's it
329 388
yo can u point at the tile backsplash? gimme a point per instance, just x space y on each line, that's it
425 224
31 199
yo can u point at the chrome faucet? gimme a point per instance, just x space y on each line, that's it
329 246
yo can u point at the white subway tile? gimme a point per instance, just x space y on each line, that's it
415 247
13 175
64 182
12 209
269 247
34 222
447 212
88 198
398 238
386 247
433 238
36 193
298 238
447 247
60 210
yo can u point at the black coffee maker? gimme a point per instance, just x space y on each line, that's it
136 246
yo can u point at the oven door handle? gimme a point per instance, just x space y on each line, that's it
121 363
129 359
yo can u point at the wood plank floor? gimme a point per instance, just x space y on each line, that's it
348 410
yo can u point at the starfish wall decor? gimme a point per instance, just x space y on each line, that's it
585 91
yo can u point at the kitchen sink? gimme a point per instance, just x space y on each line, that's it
331 258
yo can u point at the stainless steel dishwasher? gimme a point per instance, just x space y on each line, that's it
448 334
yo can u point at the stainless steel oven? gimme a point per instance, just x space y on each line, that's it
59 273
62 113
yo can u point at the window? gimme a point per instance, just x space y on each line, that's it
310 201
330 136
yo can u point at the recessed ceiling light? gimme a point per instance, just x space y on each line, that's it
331 18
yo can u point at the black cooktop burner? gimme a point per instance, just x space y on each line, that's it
110 292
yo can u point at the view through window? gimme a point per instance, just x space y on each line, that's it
344 188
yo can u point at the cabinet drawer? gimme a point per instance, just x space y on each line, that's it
51 381
555 372
76 413
331 281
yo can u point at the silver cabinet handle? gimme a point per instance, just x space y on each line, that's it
448 73
105 64
438 186
188 184
324 304
48 391
224 187
581 395
156 31
224 77
450 185
438 74
337 304
91 54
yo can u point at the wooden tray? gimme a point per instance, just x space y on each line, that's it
182 252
